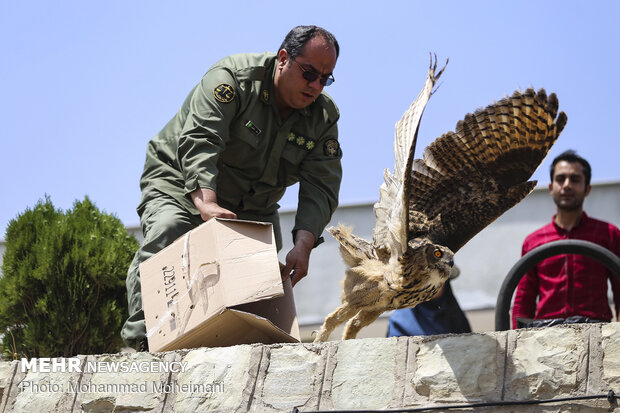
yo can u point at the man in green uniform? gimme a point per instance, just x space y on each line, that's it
254 125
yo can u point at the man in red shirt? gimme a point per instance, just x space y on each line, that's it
569 288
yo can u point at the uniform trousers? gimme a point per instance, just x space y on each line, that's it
164 220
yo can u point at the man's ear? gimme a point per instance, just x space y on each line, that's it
550 186
588 190
283 57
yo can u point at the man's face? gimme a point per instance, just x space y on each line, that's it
292 90
568 188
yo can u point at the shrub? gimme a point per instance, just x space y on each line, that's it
62 292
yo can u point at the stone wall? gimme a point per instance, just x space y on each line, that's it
381 373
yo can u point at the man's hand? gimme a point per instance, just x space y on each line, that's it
298 258
206 203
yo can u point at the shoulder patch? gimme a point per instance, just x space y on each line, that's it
224 93
331 148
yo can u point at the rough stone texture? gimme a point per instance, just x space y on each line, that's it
364 374
102 390
405 372
293 376
546 362
223 379
449 370
610 345
594 383
6 374
44 392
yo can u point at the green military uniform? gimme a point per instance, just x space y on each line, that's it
229 137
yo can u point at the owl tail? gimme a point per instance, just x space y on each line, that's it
352 248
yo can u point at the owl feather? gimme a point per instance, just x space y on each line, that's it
431 206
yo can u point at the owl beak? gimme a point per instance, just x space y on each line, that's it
451 263
455 272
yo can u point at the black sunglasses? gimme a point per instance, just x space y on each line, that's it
311 76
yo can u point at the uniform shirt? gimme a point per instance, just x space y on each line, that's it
229 137
569 285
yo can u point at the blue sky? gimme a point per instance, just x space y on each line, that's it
85 84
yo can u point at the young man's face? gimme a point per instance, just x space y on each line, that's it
292 90
568 188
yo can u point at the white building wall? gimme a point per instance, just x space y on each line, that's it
484 261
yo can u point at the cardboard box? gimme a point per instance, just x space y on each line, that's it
219 285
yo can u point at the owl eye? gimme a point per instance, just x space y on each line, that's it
437 253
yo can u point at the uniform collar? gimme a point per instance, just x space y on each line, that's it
267 91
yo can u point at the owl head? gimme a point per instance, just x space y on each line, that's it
424 254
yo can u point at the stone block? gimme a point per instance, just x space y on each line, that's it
7 370
610 345
12 390
124 382
292 377
546 362
455 368
44 391
365 374
216 380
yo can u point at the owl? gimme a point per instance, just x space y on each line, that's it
429 208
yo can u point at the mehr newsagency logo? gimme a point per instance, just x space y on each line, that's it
74 365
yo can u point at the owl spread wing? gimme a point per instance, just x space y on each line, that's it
469 177
390 233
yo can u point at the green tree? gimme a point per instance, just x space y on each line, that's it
62 291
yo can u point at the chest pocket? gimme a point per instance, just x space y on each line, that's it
239 132
292 157
243 148
293 154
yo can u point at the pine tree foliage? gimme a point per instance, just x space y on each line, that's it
62 292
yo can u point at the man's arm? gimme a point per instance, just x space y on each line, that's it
615 287
298 258
525 298
527 292
319 184
615 282
204 136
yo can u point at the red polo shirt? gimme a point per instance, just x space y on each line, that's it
568 285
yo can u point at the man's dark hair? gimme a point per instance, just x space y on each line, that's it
296 39
571 156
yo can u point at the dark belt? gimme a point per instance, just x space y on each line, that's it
529 323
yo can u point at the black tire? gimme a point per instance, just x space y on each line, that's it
580 247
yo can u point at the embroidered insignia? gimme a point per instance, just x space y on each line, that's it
301 141
331 148
224 93
251 126
266 95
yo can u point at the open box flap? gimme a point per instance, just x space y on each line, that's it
232 327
